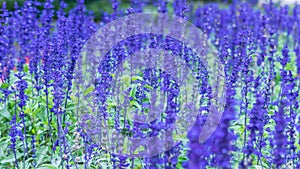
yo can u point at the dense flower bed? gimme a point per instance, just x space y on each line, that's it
259 48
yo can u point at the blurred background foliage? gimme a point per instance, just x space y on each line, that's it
98 7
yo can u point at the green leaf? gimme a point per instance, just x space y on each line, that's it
4 85
10 158
182 158
110 122
26 68
5 113
133 92
126 79
47 166
148 86
41 154
112 75
88 90
136 104
256 167
137 78
179 166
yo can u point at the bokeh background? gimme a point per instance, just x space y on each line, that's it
99 7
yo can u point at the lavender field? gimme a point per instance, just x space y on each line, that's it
152 84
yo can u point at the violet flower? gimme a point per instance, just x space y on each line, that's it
13 138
